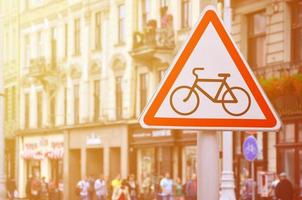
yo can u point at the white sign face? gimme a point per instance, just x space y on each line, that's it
210 86
93 140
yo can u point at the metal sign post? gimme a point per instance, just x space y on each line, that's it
250 152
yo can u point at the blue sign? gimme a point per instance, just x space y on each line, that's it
250 148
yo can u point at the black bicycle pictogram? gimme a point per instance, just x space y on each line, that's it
185 100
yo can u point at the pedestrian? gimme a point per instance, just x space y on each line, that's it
100 187
247 189
116 183
35 188
44 189
146 186
133 187
52 189
61 189
191 188
284 189
179 194
272 188
166 185
82 187
11 188
121 192
28 187
91 187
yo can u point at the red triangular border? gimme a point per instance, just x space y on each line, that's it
149 118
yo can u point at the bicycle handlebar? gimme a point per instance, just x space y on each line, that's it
197 69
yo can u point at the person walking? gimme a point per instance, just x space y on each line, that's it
132 187
44 189
166 185
191 188
116 183
11 188
121 192
52 190
83 186
146 186
179 194
35 188
100 187
272 188
284 189
91 187
28 188
61 189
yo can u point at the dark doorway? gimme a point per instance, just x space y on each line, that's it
115 162
94 165
74 171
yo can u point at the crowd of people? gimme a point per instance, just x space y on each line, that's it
151 188
280 189
39 189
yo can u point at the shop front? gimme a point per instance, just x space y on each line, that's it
289 153
157 152
40 156
94 150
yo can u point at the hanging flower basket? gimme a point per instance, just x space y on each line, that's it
285 93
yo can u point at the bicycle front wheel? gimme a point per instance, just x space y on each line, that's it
184 100
242 104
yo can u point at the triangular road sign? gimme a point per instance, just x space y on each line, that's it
209 85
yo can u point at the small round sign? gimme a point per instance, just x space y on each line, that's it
250 148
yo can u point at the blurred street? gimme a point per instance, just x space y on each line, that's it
76 74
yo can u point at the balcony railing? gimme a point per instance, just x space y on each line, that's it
278 70
152 39
39 67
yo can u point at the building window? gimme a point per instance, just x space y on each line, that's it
6 93
39 44
66 40
98 31
118 97
161 74
96 99
163 3
39 109
53 48
121 23
26 112
257 39
185 13
52 110
143 91
145 12
77 36
14 97
297 31
27 50
65 105
76 104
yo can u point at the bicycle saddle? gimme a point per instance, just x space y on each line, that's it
224 75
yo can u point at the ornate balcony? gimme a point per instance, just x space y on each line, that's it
39 68
153 41
43 72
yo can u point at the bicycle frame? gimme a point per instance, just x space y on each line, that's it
215 99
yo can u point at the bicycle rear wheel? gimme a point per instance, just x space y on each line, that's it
182 103
236 108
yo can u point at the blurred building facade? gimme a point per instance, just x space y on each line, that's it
10 65
85 70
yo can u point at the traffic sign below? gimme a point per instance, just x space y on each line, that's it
209 85
250 148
